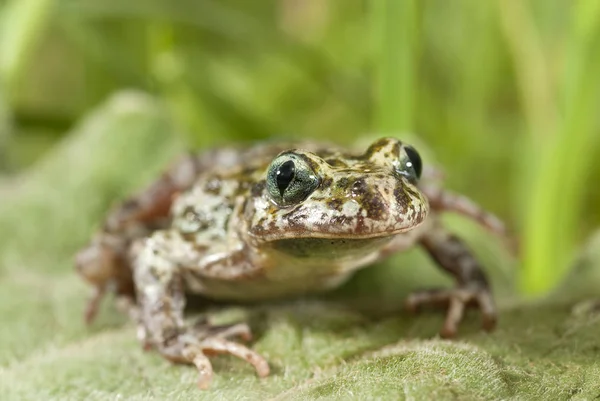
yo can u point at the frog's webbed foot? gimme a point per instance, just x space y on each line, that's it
159 313
473 289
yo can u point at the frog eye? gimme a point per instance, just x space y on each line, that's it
411 164
290 180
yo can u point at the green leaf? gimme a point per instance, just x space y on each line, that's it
355 344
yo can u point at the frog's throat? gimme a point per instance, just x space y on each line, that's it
329 248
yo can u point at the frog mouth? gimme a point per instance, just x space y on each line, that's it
333 235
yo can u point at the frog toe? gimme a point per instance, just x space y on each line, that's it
197 352
202 340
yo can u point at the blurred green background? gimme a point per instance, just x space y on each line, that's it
97 96
504 93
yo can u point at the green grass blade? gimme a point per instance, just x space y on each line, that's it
556 200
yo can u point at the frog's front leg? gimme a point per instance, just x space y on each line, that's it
105 261
161 301
452 255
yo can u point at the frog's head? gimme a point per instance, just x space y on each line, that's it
329 198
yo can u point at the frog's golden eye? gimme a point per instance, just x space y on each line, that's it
290 179
411 164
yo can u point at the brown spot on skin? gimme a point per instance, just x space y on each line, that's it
375 207
335 204
343 184
200 248
400 193
360 224
326 183
375 148
380 145
370 199
258 229
339 220
189 237
296 222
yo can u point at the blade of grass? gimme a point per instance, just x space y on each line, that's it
556 199
395 33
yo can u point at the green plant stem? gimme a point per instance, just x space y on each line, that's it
556 199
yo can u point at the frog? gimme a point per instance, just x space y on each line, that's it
271 221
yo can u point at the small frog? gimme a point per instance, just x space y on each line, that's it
273 221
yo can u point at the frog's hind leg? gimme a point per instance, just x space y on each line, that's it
161 301
472 289
103 263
